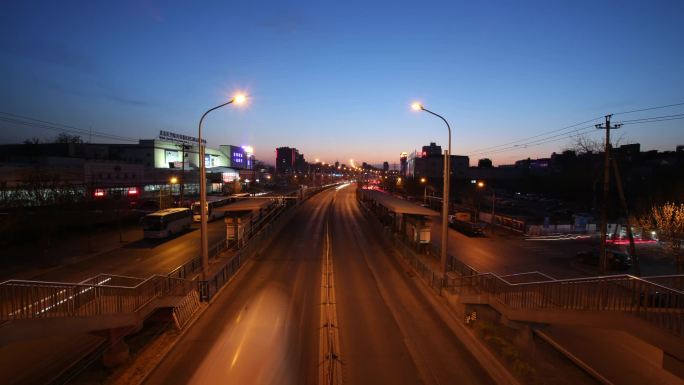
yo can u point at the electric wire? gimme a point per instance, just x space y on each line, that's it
544 138
38 123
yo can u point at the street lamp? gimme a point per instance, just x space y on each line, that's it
237 99
447 180
481 184
172 181
423 180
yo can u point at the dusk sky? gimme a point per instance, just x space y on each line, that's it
336 79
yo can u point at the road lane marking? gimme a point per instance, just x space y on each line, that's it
330 368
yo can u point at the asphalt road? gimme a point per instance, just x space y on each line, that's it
137 258
390 333
510 253
264 327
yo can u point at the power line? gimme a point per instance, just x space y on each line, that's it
37 123
59 126
655 121
649 108
548 139
580 132
572 134
61 129
507 146
654 117
542 134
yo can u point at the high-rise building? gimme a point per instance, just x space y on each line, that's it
432 150
403 162
430 163
289 160
300 163
286 159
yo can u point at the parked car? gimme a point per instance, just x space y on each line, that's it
471 229
617 260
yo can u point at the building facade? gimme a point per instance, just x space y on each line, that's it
429 163
289 161
108 169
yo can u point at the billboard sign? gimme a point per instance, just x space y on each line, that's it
179 138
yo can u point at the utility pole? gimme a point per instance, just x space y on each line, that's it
623 202
493 209
182 178
603 263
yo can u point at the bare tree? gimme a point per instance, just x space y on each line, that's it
584 144
33 140
66 138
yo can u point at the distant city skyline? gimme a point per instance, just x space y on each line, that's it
336 80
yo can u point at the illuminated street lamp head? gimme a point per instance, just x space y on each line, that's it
173 180
415 106
239 98
422 180
480 184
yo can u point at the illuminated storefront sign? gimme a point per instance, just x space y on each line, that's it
179 138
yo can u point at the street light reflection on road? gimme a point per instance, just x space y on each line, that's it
258 347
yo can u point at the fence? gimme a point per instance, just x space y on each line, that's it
104 294
655 303
672 281
659 300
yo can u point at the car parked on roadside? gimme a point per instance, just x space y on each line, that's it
617 260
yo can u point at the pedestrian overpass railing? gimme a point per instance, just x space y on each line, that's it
101 295
653 302
672 281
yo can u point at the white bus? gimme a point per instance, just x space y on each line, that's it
164 223
212 213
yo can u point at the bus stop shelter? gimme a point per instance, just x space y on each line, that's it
242 216
404 217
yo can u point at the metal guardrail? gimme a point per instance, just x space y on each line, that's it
659 299
104 294
652 302
531 276
672 281
195 264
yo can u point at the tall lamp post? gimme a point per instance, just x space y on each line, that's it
237 99
447 180
492 221
422 181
